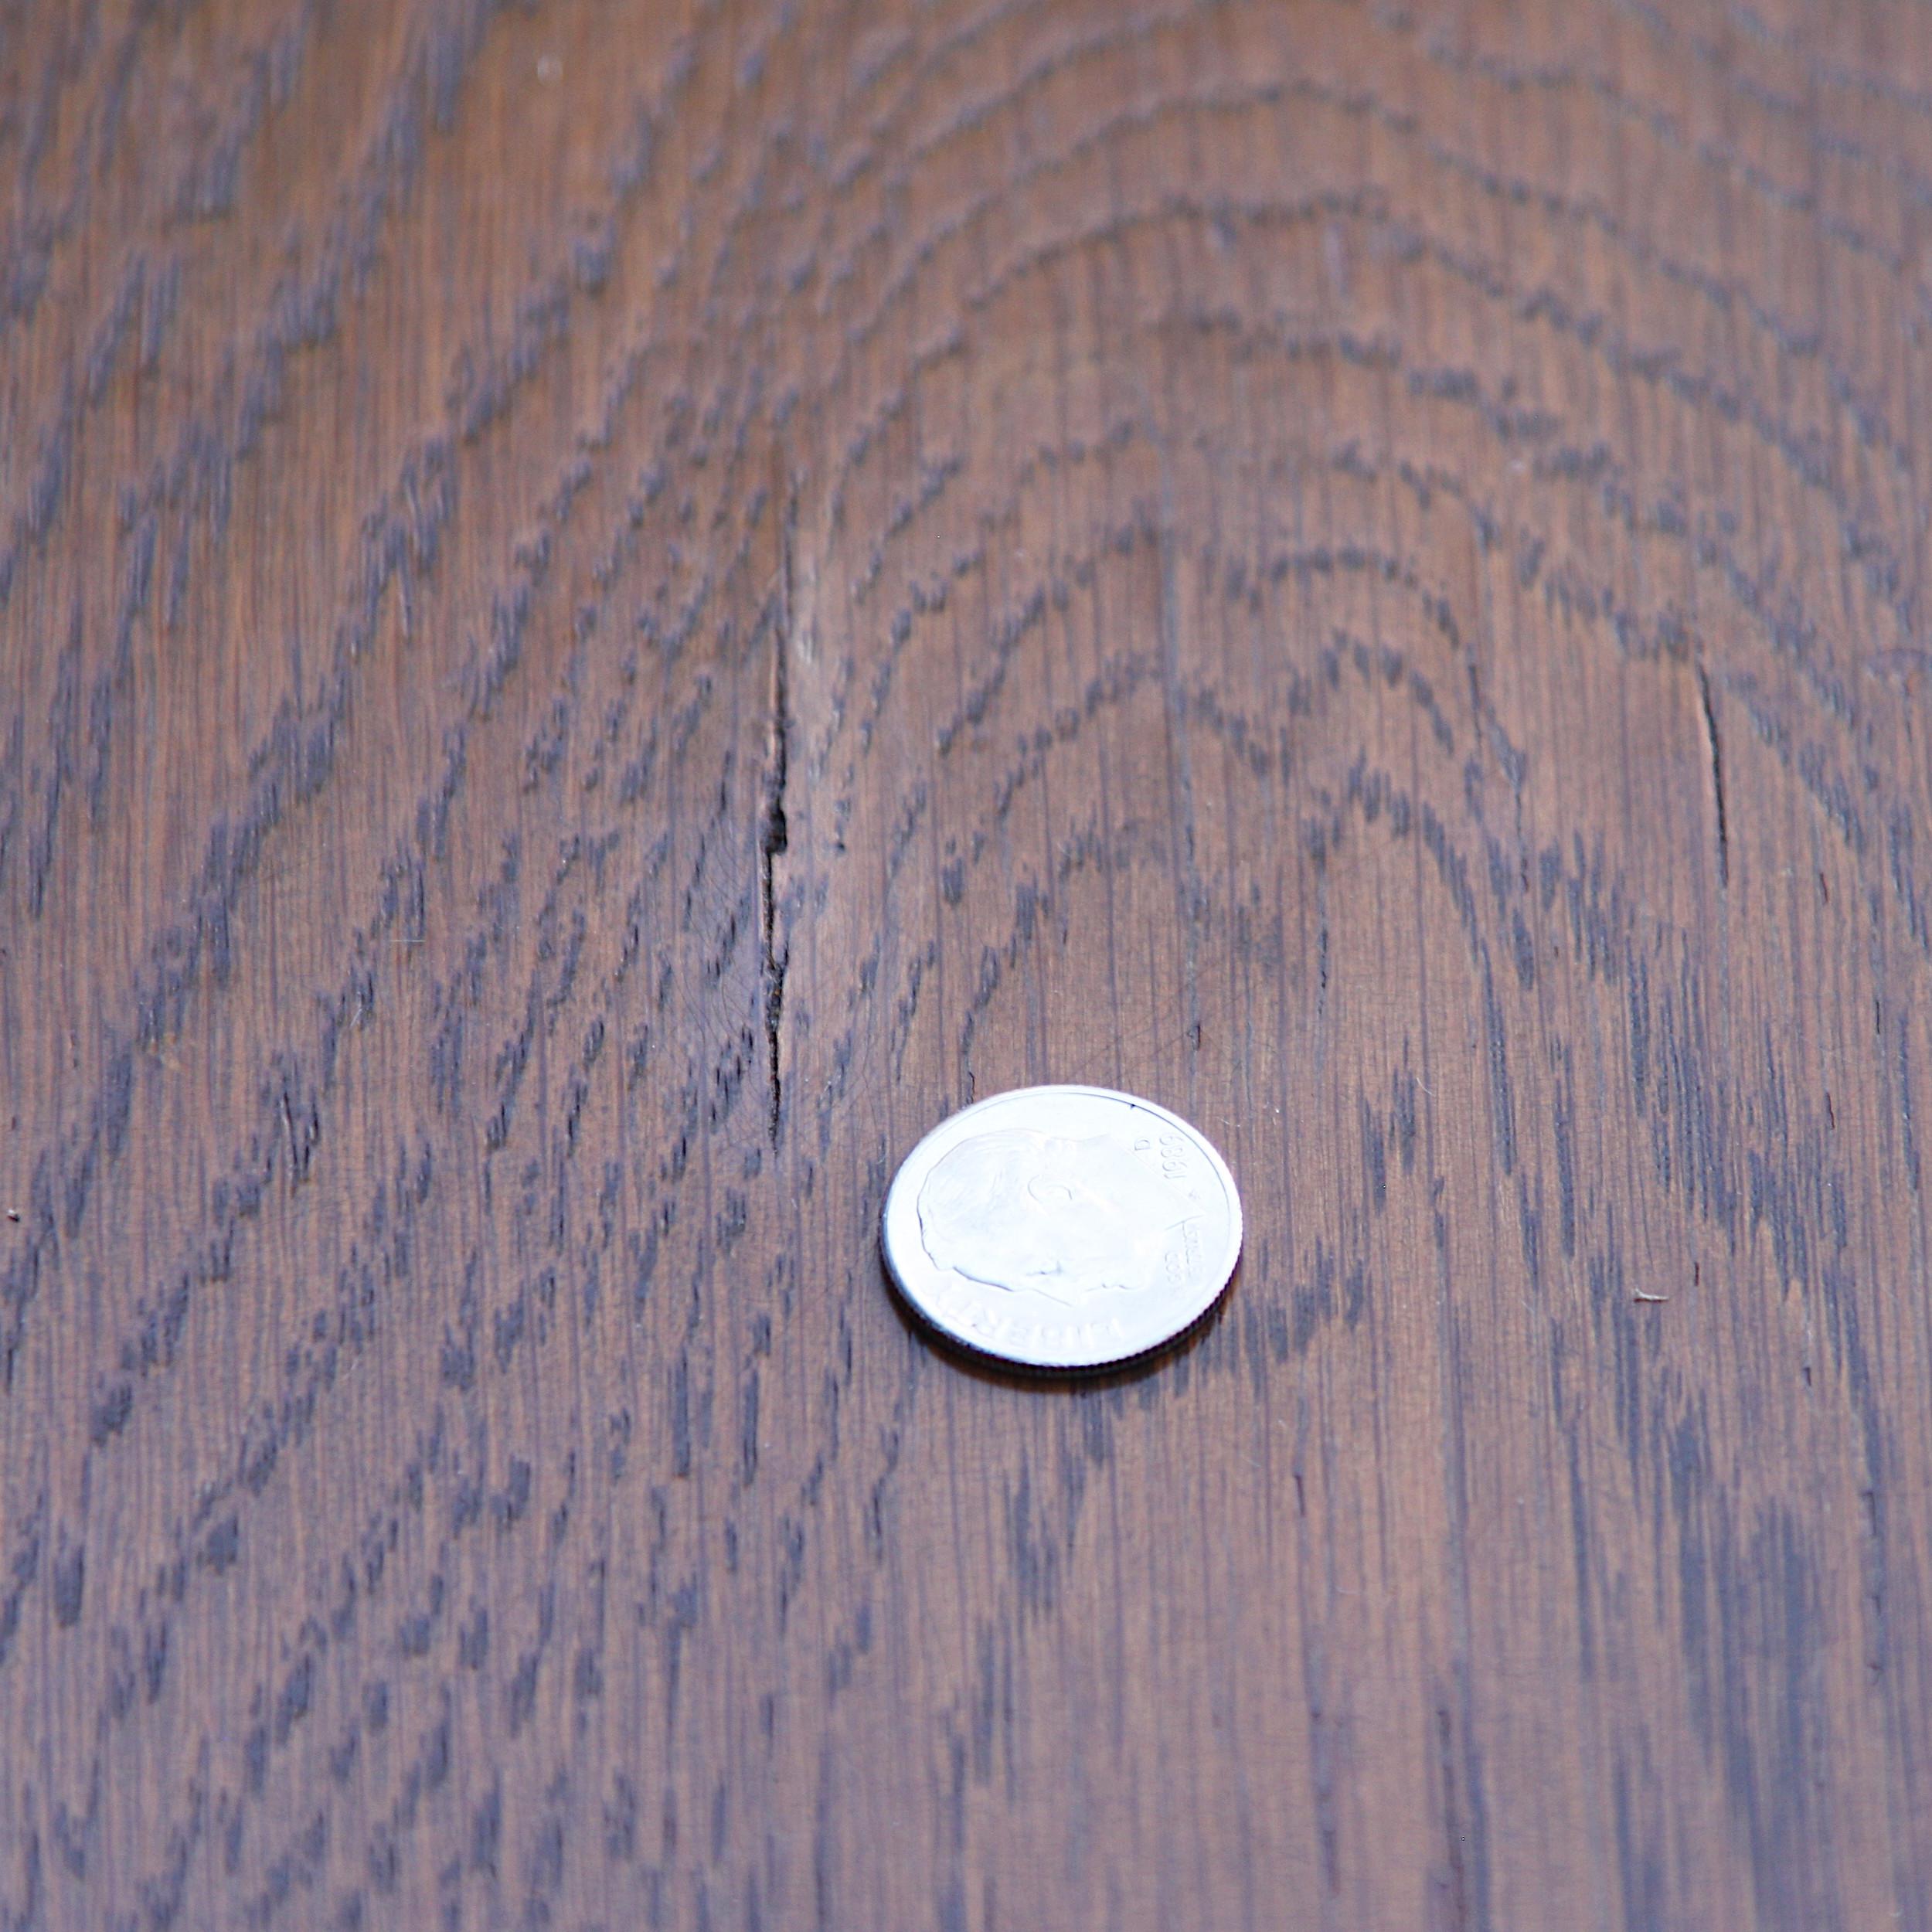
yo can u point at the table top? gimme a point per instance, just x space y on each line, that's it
607 611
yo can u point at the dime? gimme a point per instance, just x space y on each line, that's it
1064 1227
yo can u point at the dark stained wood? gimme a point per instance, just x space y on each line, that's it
606 610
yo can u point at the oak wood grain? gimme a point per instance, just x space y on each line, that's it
607 610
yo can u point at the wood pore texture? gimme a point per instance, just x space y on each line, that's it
611 609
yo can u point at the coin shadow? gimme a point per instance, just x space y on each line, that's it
1021 1375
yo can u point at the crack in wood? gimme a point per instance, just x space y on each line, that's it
1716 748
774 837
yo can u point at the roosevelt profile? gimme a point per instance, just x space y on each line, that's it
1065 1218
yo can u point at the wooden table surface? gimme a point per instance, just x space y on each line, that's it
608 609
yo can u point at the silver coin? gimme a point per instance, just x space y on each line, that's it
1065 1227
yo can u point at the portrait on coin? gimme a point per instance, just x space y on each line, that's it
1058 1217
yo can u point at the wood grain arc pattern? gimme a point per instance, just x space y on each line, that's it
606 612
